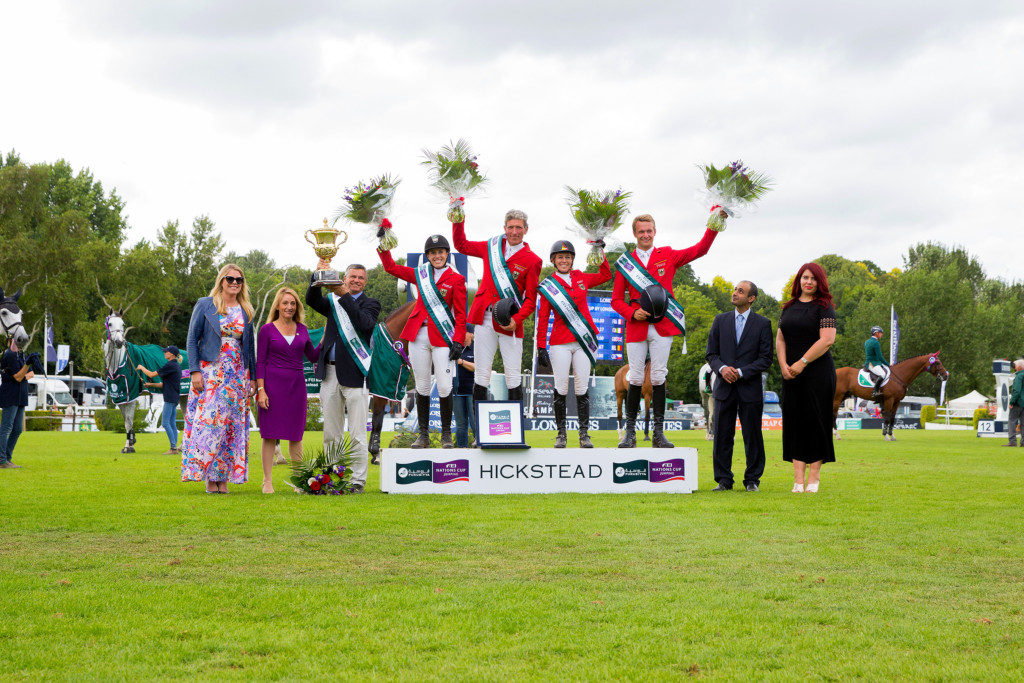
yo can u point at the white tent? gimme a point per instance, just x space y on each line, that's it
969 401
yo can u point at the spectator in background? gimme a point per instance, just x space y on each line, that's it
15 370
280 382
1016 404
464 413
170 386
222 364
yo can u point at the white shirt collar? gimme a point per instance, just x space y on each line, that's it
644 256
567 278
509 249
438 272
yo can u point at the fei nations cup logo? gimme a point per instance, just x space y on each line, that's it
499 423
648 470
433 472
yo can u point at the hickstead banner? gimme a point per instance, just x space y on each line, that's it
539 470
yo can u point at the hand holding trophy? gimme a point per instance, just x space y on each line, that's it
326 247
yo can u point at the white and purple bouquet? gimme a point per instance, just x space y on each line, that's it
597 216
453 170
731 190
370 203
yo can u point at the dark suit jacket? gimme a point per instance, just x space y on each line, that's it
751 356
364 312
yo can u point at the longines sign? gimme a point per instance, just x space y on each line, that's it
539 470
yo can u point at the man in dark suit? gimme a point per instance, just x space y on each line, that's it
342 382
739 350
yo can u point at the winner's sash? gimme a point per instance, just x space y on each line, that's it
563 304
350 338
435 305
638 276
500 273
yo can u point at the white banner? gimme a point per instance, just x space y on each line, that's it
63 355
539 470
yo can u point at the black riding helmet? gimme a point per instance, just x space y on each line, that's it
654 300
436 242
562 247
504 310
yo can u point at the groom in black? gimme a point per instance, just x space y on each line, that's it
739 350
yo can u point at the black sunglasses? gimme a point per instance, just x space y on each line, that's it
231 279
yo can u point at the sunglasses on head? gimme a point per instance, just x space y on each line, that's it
231 279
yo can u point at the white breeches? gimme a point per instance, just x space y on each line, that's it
422 356
564 355
636 355
335 401
486 344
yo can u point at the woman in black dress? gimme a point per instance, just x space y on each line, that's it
807 329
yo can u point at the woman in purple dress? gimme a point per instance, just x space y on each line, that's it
280 382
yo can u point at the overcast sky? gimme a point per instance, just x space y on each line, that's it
883 123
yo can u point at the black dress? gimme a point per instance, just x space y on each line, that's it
807 421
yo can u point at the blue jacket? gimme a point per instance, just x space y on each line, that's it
204 337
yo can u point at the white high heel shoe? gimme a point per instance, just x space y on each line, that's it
798 488
812 488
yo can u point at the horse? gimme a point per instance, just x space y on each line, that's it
647 389
706 387
11 319
901 375
115 349
394 322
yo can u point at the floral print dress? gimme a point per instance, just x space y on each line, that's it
216 443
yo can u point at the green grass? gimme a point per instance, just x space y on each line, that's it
907 564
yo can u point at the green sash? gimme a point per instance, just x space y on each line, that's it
388 374
563 304
436 307
350 338
500 273
640 279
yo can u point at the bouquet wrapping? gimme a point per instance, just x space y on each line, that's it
370 203
731 190
326 471
597 216
455 173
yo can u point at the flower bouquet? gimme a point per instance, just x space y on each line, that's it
597 216
453 170
370 203
325 471
730 190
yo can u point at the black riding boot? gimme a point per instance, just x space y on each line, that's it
479 394
583 410
446 421
658 439
374 446
559 405
876 393
632 408
423 416
515 394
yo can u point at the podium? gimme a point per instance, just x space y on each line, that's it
538 470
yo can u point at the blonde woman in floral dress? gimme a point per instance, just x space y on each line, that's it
222 362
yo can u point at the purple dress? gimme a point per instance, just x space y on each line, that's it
279 365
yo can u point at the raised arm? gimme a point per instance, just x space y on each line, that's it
401 272
315 299
604 274
467 247
684 256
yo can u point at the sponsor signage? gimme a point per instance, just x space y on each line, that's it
992 428
601 423
539 470
768 423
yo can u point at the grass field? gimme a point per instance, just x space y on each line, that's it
908 564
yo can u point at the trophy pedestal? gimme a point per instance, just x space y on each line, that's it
326 278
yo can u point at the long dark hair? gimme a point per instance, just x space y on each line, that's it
822 297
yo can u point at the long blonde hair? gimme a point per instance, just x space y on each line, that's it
300 315
243 296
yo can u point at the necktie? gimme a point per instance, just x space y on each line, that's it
739 328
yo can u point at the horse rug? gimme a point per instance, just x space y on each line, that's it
865 379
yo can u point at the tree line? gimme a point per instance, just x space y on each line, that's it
63 239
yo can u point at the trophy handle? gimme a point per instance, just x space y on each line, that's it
308 232
342 237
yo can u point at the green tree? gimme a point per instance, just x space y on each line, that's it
191 258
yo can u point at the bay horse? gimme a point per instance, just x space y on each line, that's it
646 389
901 375
394 323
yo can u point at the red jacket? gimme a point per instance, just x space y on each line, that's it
581 282
452 287
662 267
525 267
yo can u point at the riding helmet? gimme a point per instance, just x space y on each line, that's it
504 310
562 247
654 300
876 328
436 242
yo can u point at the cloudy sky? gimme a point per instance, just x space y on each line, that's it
883 123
